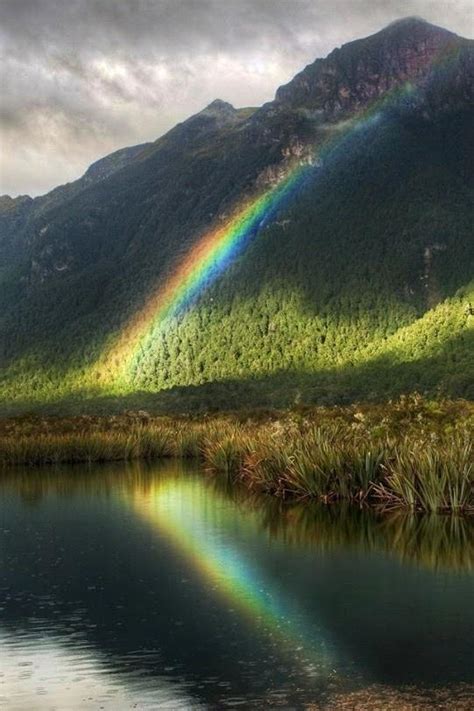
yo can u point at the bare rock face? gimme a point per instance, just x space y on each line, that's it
362 71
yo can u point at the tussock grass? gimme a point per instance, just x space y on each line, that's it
412 454
430 476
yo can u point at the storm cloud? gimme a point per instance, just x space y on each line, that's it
80 78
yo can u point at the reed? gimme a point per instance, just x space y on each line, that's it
412 455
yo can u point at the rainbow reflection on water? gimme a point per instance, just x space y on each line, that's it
215 548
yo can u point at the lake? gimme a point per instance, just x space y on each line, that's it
159 586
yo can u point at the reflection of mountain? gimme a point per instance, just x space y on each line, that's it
165 575
320 243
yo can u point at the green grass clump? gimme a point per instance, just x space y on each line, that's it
430 476
186 442
223 449
148 443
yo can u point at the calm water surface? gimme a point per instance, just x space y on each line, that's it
126 587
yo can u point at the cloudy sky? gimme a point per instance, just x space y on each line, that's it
80 78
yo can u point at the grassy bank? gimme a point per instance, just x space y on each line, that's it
410 453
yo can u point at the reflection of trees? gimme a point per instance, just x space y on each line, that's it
75 479
433 541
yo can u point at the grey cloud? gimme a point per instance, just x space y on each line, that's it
80 78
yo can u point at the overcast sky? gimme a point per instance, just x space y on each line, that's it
81 78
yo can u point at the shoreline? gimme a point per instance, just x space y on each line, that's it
410 454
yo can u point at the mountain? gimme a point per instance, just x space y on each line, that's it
316 249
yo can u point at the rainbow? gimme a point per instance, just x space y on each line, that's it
217 249
180 509
208 258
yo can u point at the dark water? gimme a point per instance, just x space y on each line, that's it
158 587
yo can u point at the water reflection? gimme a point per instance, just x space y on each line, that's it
432 541
173 590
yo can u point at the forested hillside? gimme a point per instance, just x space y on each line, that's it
352 281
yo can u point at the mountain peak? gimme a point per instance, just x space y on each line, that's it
408 23
361 71
410 28
219 108
9 203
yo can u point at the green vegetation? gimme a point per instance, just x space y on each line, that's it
410 454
